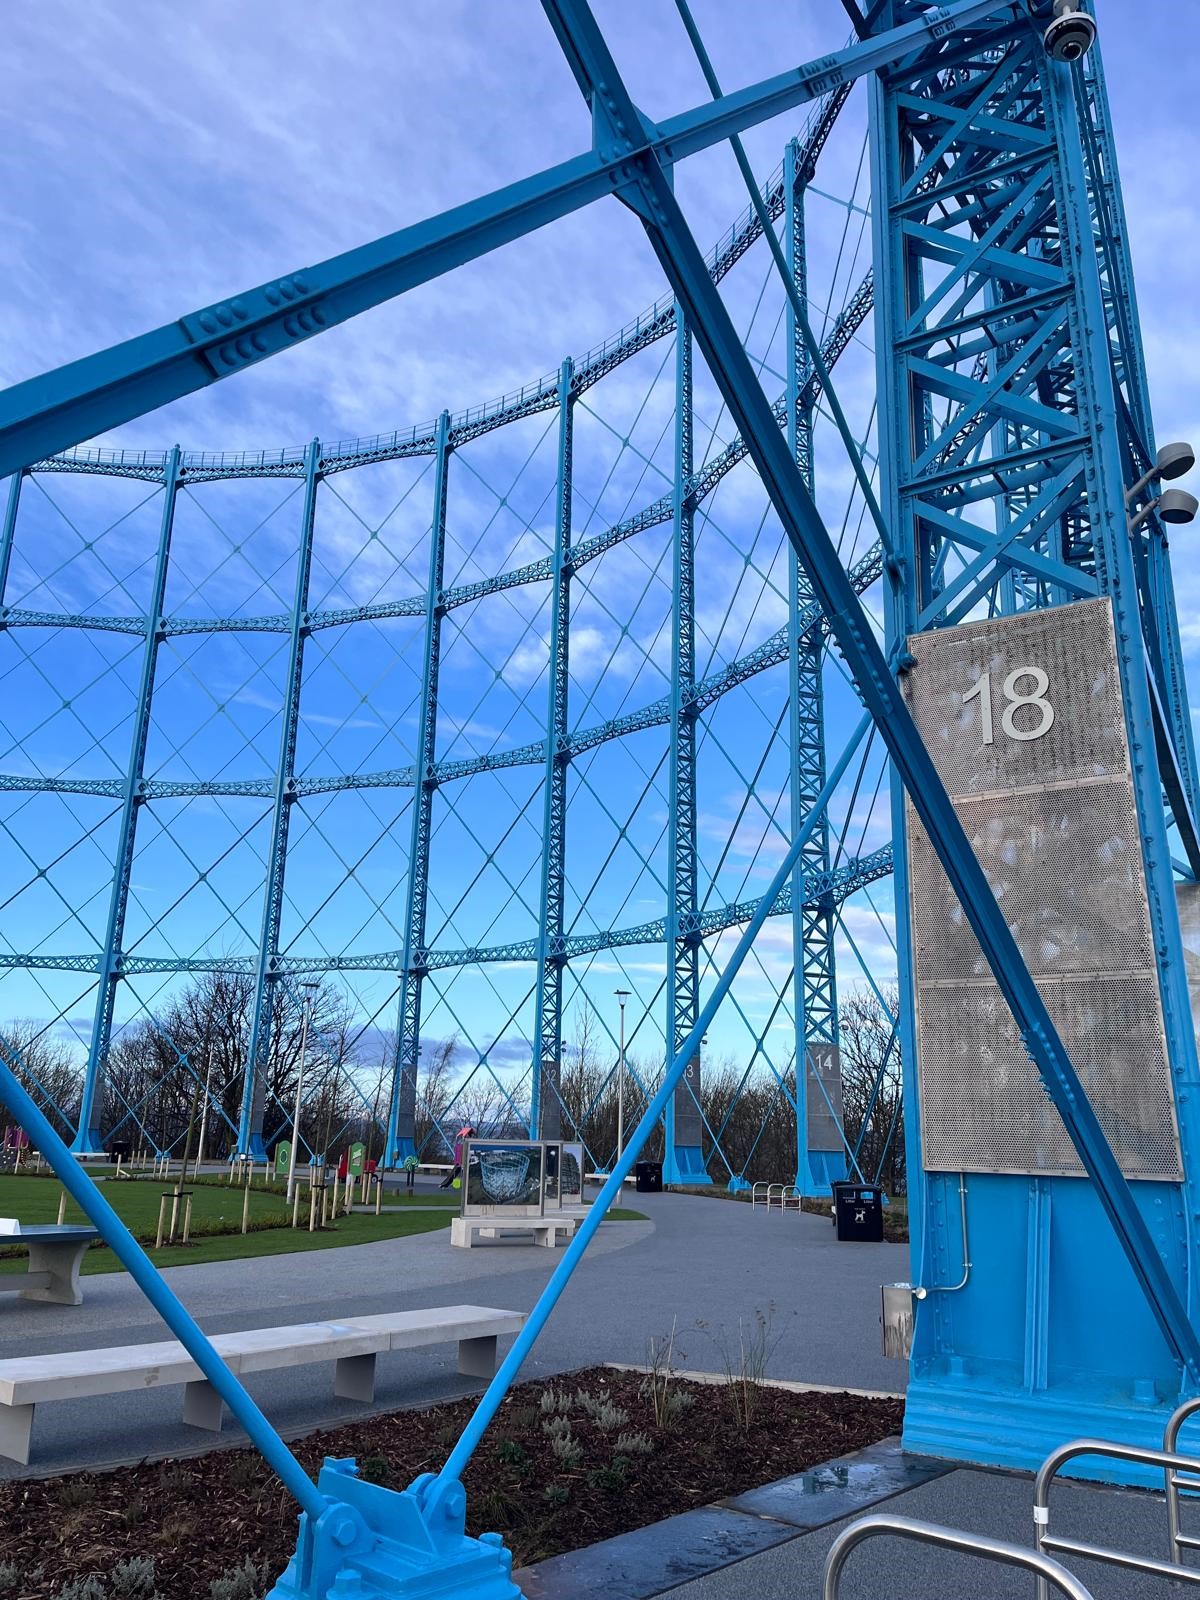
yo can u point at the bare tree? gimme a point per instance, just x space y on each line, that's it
45 1068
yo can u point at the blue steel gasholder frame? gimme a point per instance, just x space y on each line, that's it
1028 337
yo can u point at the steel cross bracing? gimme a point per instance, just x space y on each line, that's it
648 192
814 982
1011 384
402 1111
546 1107
88 1135
287 788
833 887
284 798
1014 412
109 381
684 1160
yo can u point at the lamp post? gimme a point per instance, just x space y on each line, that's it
622 995
204 1110
1172 505
305 1012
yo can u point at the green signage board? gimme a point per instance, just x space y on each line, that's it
358 1154
283 1157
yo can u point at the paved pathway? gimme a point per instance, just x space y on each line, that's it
698 1265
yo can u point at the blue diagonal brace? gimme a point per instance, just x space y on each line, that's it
87 397
651 194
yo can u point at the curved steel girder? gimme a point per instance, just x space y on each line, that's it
420 440
822 888
658 512
657 714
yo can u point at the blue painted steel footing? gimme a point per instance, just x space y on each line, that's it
373 1543
684 1163
824 1168
737 1185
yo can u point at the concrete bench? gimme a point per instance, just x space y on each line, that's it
352 1345
55 1255
465 1230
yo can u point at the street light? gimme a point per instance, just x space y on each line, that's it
1172 505
204 1110
304 1016
622 995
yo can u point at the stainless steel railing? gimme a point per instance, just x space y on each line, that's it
1171 1464
1179 1540
1047 1570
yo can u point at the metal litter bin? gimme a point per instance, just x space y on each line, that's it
119 1150
647 1177
858 1212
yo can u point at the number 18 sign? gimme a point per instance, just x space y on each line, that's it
1024 718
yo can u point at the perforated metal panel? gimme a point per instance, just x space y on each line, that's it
824 1069
1053 821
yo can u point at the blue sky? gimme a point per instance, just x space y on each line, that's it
152 166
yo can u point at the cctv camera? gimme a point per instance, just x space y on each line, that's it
1071 35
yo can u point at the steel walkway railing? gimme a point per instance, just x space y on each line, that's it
1046 1570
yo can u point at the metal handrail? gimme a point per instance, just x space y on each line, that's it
756 1198
1179 1540
1170 1463
974 1544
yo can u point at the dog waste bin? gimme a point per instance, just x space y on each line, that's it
119 1150
858 1212
647 1177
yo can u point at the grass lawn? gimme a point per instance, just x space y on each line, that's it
215 1207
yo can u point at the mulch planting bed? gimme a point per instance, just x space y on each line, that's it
567 1462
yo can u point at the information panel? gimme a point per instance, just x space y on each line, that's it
1023 718
824 1097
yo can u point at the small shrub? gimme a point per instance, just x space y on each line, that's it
246 1582
677 1402
611 1478
557 1494
609 1416
243 1471
634 1444
557 1427
567 1449
496 1508
133 1580
82 1589
511 1452
554 1400
10 1577
375 1469
521 1418
74 1492
588 1402
133 1512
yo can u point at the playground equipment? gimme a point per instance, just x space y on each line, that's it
1029 695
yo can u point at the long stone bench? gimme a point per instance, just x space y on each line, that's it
351 1344
465 1230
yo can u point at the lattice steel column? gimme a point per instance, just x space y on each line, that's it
545 1106
684 1141
258 1054
819 1146
402 1110
1008 375
1121 310
88 1137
